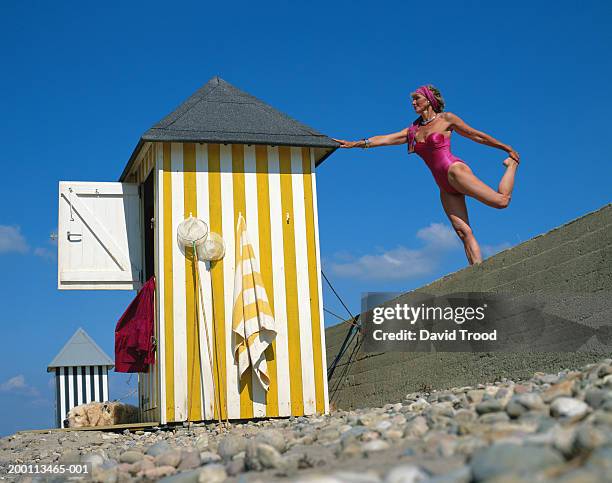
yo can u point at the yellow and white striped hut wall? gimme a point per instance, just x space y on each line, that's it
219 154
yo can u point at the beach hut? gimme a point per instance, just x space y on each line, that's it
81 374
220 154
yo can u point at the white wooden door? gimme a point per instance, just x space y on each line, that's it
99 236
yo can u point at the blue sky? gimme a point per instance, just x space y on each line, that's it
81 82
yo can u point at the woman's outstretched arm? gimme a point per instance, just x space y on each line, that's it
392 139
465 130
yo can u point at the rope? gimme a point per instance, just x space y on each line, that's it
133 391
354 330
335 315
347 366
336 294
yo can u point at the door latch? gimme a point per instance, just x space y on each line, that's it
75 237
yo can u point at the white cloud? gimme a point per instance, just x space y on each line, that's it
18 385
11 240
490 250
14 383
401 262
439 235
343 256
393 264
45 253
41 403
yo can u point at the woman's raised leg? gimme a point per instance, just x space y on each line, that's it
456 210
461 177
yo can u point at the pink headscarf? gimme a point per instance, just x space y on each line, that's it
425 92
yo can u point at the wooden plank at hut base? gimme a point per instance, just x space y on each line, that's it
130 426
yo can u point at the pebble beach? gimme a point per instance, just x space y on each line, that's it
552 427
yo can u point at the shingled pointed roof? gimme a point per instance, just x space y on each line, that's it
80 350
220 113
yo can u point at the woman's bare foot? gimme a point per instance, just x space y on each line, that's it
510 162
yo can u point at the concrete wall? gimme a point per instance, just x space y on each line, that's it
570 265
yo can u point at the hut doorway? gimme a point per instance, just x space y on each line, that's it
148 210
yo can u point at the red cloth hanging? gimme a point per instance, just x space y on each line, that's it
134 334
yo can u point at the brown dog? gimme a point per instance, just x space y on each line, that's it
101 414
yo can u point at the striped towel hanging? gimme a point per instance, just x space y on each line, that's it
253 323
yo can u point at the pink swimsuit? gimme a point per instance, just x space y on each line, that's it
435 151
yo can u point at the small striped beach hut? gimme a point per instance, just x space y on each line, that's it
220 154
81 374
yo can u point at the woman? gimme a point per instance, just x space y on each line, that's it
429 137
